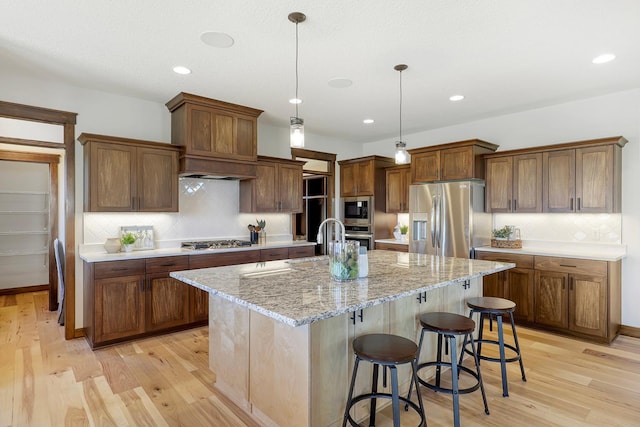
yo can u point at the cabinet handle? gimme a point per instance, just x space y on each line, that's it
515 205
466 284
579 204
360 316
509 204
422 296
168 265
567 265
571 207
119 269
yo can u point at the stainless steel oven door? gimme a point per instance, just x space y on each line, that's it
366 240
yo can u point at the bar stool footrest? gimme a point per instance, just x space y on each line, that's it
448 390
493 359
367 396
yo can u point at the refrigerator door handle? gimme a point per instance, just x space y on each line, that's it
434 201
438 221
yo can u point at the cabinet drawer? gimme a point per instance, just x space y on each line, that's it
571 265
392 247
222 259
108 269
167 263
274 254
302 251
521 260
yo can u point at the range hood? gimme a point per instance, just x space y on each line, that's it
211 168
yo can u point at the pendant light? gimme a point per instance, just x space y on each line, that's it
296 133
402 157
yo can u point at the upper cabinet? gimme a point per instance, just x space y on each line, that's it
129 175
276 188
514 183
358 176
448 162
398 182
583 176
219 138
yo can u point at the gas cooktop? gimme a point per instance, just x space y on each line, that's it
215 244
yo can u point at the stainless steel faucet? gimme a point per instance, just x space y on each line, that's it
319 238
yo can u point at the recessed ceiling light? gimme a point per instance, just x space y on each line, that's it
216 39
367 121
455 98
295 101
601 59
340 82
181 70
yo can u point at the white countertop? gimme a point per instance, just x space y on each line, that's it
601 252
98 256
301 291
393 241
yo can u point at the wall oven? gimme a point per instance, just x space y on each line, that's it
357 211
362 234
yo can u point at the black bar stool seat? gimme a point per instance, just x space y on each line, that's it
450 325
389 351
489 307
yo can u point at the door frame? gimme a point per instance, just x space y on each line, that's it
68 121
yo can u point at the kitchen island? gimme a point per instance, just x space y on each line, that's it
281 331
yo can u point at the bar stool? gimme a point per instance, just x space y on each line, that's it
450 325
388 351
497 307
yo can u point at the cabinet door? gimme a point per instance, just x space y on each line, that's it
157 180
111 178
290 188
425 167
198 305
348 180
558 181
551 295
519 289
365 177
527 183
588 298
245 138
499 188
167 302
493 285
394 190
119 307
594 179
201 131
456 163
266 187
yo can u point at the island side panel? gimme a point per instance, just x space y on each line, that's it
279 372
229 349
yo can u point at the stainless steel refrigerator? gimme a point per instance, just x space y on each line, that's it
448 218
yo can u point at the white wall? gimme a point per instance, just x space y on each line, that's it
604 116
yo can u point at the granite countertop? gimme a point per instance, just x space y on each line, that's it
98 256
393 241
600 252
301 291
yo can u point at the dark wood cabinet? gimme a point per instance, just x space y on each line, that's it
276 188
302 251
392 247
397 194
516 284
224 258
198 305
357 178
219 138
273 254
514 183
448 162
551 299
127 175
167 299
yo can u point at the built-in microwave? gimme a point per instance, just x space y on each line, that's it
357 210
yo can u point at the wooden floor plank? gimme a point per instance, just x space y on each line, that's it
165 380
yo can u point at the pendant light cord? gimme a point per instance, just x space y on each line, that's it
400 119
297 99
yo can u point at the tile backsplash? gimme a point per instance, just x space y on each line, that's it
579 228
208 210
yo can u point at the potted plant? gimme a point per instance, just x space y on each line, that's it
403 231
501 233
127 240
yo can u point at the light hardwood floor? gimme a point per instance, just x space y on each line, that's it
165 381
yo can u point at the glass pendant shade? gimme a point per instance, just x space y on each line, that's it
296 133
402 157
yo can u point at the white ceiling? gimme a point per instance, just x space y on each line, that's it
503 55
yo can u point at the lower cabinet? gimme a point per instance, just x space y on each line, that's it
167 299
577 296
